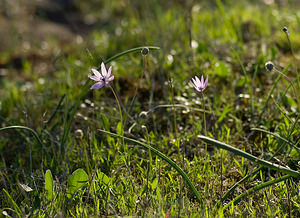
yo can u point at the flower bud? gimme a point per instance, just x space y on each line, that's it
145 51
269 66
78 134
285 29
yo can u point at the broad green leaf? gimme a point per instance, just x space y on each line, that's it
103 178
119 128
76 181
154 183
49 185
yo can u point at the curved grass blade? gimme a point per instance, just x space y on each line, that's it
250 157
34 133
130 51
256 188
162 156
15 206
85 91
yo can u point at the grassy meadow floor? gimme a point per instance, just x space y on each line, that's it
58 152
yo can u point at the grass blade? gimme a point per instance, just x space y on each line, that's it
130 51
162 156
256 188
15 206
250 157
34 133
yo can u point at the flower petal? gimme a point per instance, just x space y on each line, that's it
94 78
109 72
110 79
96 73
196 87
206 82
194 81
103 70
198 81
202 80
98 85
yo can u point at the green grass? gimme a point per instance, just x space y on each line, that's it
64 149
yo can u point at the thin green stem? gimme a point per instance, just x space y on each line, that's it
289 86
121 116
173 109
205 144
270 94
247 79
136 88
204 120
290 82
295 59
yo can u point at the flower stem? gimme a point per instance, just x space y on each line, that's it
204 120
121 115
